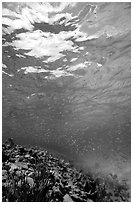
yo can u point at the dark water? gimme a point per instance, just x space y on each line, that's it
66 81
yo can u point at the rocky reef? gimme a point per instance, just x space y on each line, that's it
30 174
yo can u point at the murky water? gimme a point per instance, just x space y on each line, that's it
66 80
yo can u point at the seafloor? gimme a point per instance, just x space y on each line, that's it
33 175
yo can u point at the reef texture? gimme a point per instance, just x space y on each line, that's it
33 175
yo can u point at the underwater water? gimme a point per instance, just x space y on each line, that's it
67 79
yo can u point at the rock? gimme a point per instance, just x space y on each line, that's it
70 183
67 198
13 167
18 173
21 165
89 200
30 181
18 165
4 178
19 183
4 172
27 156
